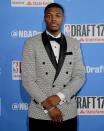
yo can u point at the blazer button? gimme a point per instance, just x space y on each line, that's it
46 73
67 72
53 86
43 63
64 85
70 63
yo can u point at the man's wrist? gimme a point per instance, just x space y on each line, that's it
46 105
46 111
62 97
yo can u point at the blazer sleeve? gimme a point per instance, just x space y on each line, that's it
28 69
78 74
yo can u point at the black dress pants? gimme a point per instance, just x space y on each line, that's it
47 125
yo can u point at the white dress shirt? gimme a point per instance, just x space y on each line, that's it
55 46
56 49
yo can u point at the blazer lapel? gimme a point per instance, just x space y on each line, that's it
63 48
49 49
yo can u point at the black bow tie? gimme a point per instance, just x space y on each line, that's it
55 39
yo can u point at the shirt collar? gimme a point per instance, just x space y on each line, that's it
59 35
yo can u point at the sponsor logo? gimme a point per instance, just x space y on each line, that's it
30 3
96 69
86 33
90 105
19 106
24 33
16 70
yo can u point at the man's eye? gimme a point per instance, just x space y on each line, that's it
58 15
48 15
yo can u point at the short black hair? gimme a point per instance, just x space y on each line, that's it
53 5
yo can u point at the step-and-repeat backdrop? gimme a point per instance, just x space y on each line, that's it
21 19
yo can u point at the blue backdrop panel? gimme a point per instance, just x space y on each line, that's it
17 23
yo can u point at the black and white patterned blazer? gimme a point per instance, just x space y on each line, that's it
43 77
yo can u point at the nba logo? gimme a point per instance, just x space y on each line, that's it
67 29
16 66
16 70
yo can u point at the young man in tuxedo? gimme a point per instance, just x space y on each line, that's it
52 73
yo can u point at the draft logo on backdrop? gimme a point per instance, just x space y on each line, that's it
86 105
30 3
86 33
16 70
90 105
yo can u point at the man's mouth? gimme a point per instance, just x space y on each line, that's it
53 25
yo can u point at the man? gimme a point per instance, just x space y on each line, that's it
52 73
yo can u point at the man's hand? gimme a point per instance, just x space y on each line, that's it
54 100
51 101
56 115
50 104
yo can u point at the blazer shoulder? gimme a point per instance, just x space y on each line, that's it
32 41
72 42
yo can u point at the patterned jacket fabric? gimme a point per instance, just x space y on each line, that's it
38 76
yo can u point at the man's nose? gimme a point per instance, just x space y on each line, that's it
53 18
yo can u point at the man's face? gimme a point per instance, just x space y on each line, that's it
53 19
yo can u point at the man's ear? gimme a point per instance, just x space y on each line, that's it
44 19
63 19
